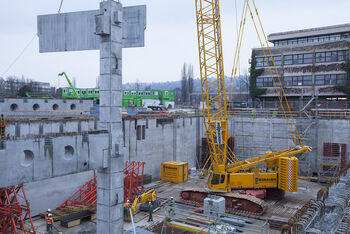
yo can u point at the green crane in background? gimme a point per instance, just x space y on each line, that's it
70 83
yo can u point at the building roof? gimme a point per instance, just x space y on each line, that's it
309 32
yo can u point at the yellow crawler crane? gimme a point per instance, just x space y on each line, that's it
228 173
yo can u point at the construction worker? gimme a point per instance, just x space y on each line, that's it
49 223
2 126
172 204
150 218
126 211
48 212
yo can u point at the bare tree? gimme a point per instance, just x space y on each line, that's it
244 82
137 84
184 84
97 82
190 83
74 82
11 82
2 87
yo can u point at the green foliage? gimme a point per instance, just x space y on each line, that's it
22 91
254 73
345 88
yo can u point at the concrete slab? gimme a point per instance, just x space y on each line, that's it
75 31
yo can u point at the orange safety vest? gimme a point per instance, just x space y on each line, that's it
49 220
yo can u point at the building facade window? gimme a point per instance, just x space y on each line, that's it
261 61
133 93
148 93
267 82
297 81
297 59
330 79
140 132
331 56
313 39
140 93
126 92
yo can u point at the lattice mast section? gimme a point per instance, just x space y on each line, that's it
212 80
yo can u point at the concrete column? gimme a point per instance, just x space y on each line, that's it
110 179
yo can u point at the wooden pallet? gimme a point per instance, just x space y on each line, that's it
57 215
76 218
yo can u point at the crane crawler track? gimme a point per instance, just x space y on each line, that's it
238 204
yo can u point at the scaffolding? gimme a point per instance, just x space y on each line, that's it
191 219
133 179
84 196
15 211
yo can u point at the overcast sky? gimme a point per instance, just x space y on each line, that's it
170 37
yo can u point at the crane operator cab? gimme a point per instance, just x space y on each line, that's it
218 181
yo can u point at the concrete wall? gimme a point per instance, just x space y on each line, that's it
29 106
164 140
27 129
253 137
53 192
34 159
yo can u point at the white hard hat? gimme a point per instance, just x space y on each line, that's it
149 202
49 210
49 215
128 200
171 198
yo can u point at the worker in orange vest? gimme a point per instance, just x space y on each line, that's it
127 206
49 223
2 126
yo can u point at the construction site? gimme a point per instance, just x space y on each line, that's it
102 161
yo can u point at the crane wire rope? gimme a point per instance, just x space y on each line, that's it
25 48
273 78
246 7
239 63
59 9
237 51
284 95
19 56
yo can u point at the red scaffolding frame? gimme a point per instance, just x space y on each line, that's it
84 196
15 210
133 179
87 194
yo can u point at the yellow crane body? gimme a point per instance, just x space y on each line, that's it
227 172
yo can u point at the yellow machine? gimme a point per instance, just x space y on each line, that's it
144 199
228 172
176 172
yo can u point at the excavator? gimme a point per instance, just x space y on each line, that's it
70 84
239 182
143 200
